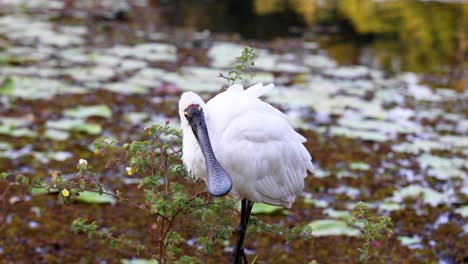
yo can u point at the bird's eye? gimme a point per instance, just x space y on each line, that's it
199 108
186 113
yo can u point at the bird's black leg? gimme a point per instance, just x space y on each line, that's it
239 254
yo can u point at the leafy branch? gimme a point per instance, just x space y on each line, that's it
372 229
242 69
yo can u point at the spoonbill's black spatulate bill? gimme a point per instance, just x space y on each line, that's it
242 146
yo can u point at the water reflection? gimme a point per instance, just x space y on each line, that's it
399 35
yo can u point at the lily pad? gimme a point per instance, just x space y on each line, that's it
125 88
406 240
45 157
362 134
77 125
38 88
332 227
83 112
95 198
5 145
359 166
345 215
89 74
135 118
428 195
261 208
389 206
41 190
463 211
139 261
443 168
316 202
16 132
56 134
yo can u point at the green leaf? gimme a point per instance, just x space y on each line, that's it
42 190
56 134
7 86
77 125
332 227
261 208
83 112
3 175
95 198
406 240
139 261
359 166
16 132
463 211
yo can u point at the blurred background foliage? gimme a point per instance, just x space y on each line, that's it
393 35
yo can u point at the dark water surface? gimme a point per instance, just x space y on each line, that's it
428 37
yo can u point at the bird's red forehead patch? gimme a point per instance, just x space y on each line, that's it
190 106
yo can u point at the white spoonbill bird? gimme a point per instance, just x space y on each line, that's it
241 145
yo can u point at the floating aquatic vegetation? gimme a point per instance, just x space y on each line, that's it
353 72
27 31
346 174
463 211
261 208
75 55
41 191
76 125
139 261
418 145
36 4
359 166
45 157
96 198
5 145
132 65
340 214
316 202
343 189
352 133
319 61
83 112
90 74
412 242
125 88
389 128
146 51
38 88
223 54
428 195
332 227
454 141
443 168
389 206
15 127
55 134
136 117
319 173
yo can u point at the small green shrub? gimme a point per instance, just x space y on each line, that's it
372 229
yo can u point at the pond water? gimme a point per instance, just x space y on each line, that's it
379 89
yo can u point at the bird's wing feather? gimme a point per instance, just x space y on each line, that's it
259 90
234 101
256 146
265 157
235 88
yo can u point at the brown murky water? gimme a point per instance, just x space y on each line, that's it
37 229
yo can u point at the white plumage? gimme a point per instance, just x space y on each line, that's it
252 141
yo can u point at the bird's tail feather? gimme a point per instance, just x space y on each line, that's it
259 90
